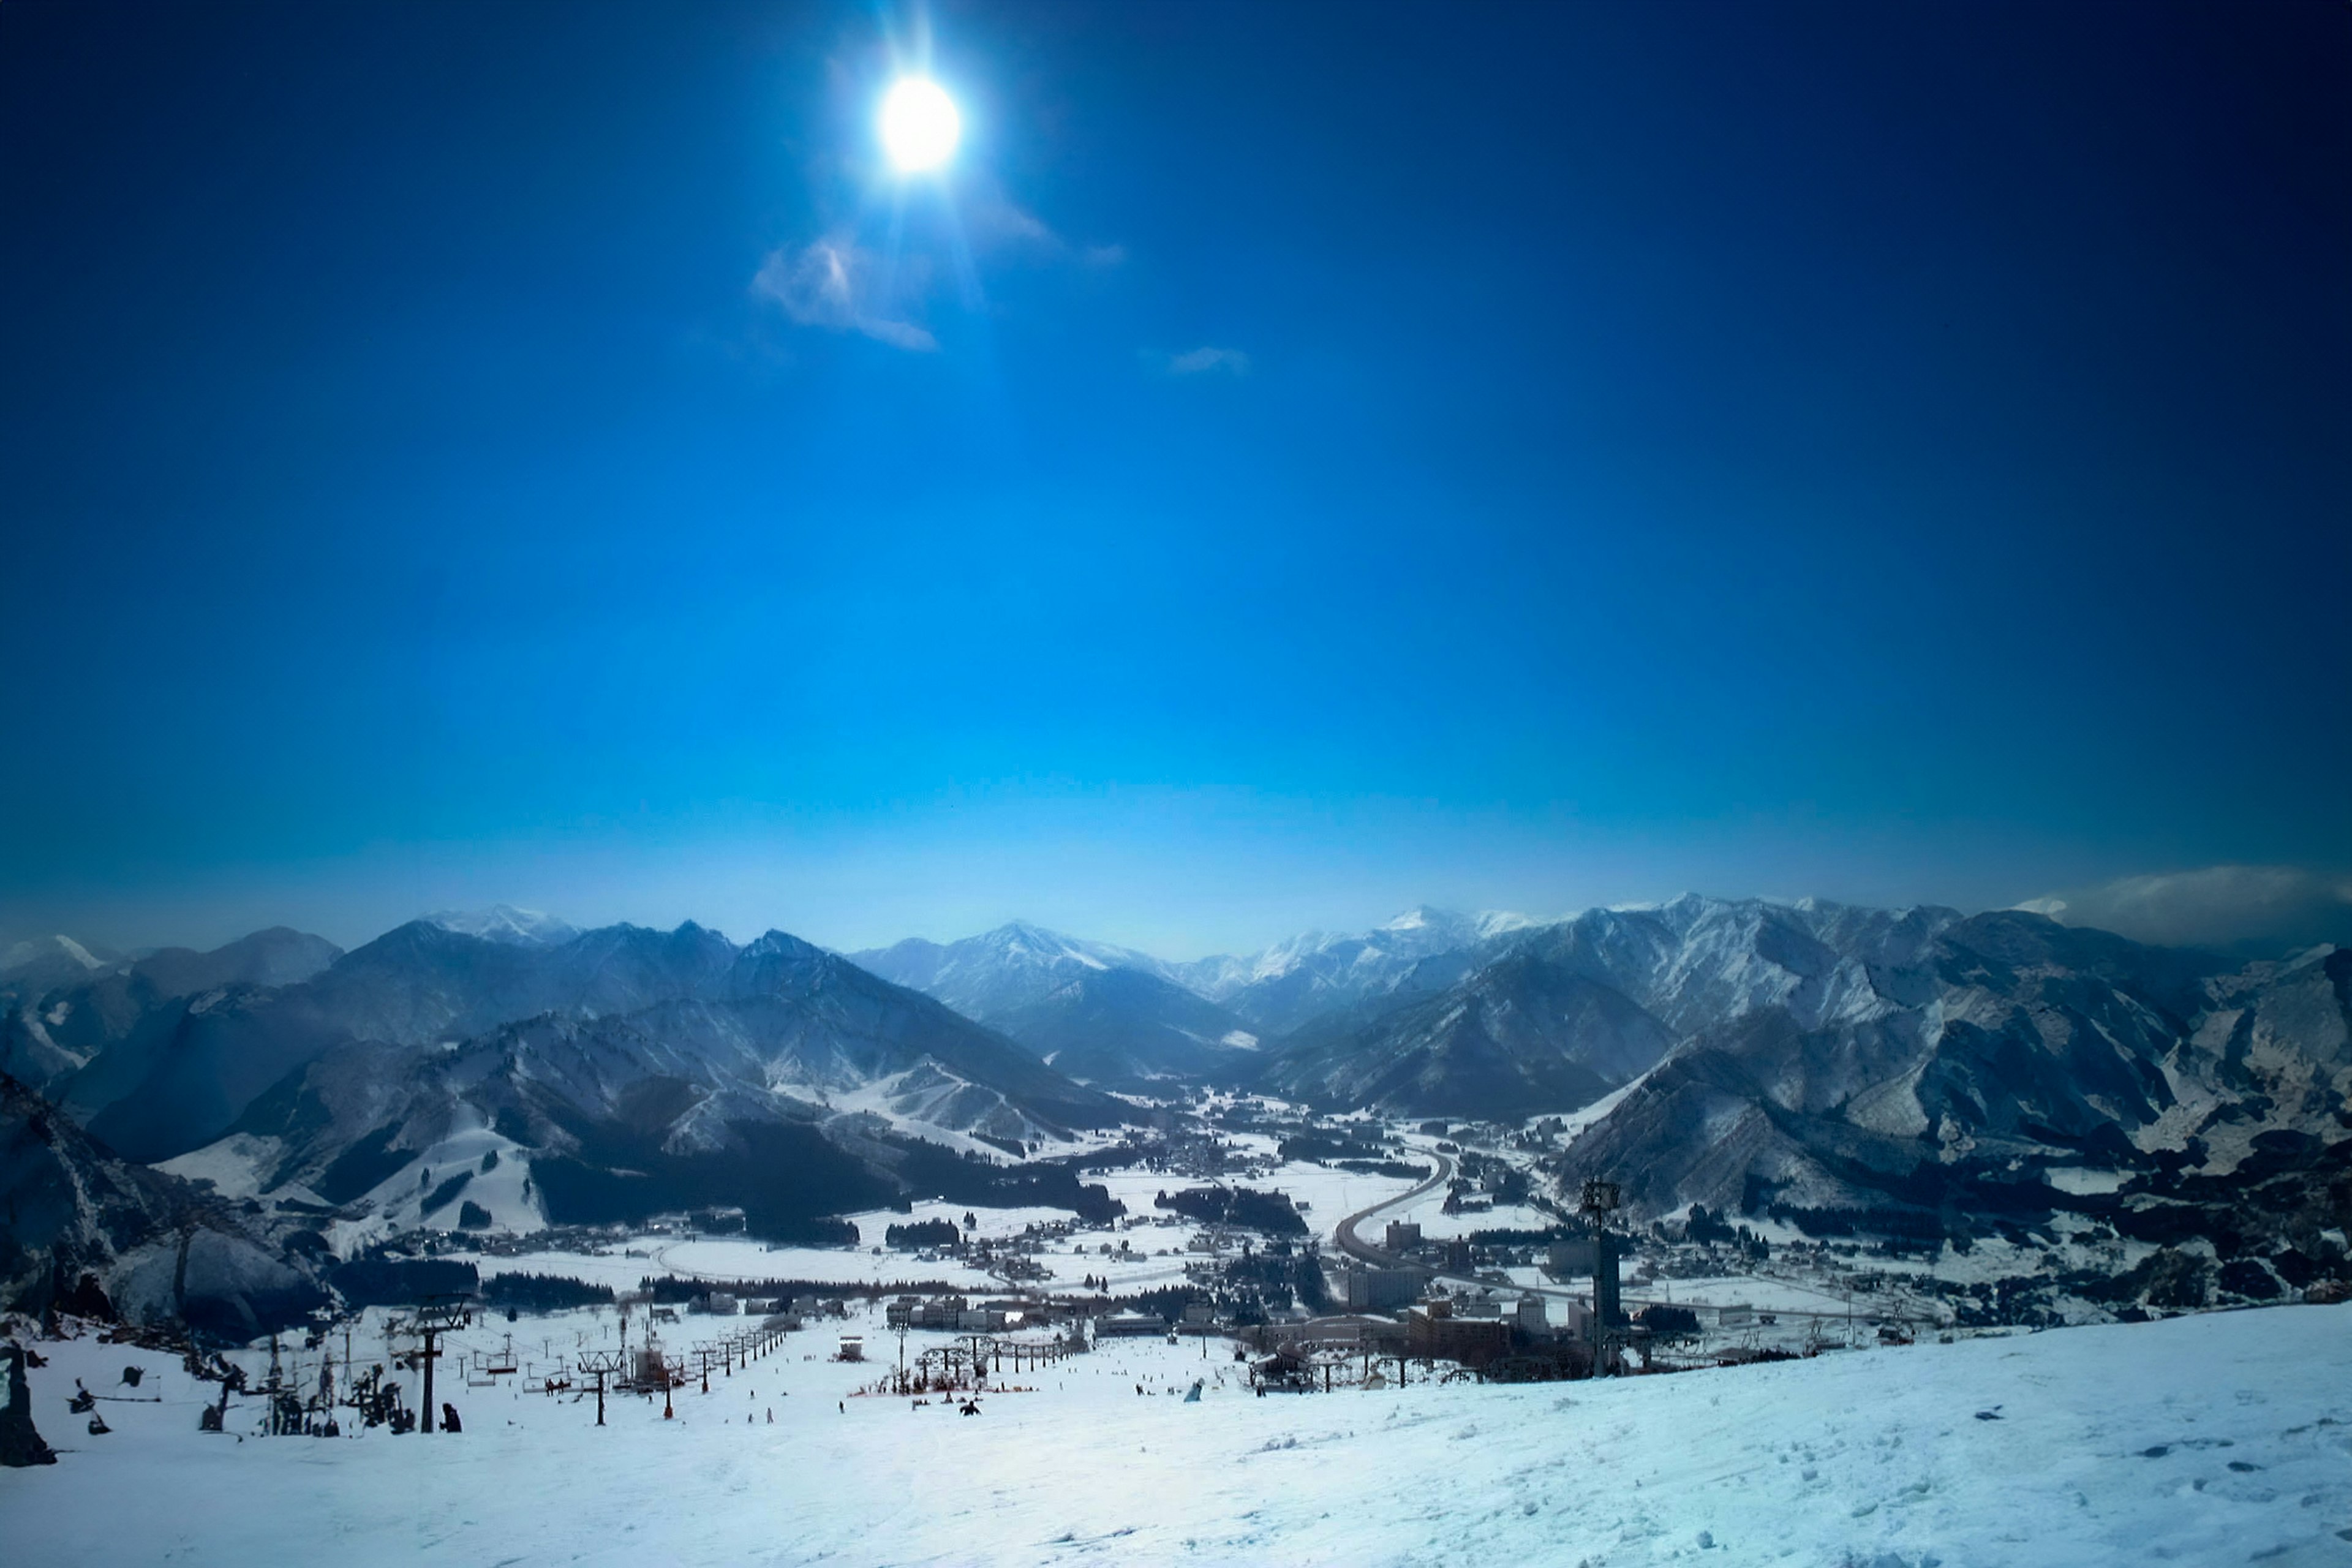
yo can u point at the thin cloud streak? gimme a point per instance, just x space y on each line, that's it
1205 359
834 284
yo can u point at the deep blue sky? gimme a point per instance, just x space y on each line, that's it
1299 461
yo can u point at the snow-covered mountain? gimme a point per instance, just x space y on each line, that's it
784 1081
996 975
504 922
1103 1014
1549 1017
1936 1072
87 1230
998 972
42 964
1129 1029
2014 1053
1294 982
677 1033
70 1007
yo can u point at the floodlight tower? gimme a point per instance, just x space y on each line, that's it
1599 1200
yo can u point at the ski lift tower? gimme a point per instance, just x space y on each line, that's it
436 1316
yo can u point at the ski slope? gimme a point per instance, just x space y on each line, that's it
2224 1438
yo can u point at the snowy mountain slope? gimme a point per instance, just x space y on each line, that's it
1017 966
1912 1073
42 964
1129 1029
180 1079
2220 1438
164 1076
1517 1037
777 1083
505 923
1102 1014
2214 1110
1294 982
1546 1018
989 976
155 1248
50 1033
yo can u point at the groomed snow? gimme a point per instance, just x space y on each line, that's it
2221 1438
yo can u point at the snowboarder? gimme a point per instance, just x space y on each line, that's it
449 1417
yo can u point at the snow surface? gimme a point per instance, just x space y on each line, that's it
2217 1438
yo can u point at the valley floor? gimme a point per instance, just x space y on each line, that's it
2224 1438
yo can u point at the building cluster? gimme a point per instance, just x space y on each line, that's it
1472 1324
794 1310
958 1314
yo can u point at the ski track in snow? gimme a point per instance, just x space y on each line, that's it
2224 1438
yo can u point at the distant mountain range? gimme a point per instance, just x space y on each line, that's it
1934 1069
1032 982
1103 1015
508 1075
1296 982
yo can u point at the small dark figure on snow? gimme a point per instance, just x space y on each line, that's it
132 1374
449 1418
97 1427
83 1401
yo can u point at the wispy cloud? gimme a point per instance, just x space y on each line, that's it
2213 906
834 284
1205 359
996 223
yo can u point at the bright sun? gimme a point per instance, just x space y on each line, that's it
920 125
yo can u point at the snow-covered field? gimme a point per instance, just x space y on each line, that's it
2212 1439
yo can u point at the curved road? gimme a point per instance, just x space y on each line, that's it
1356 1247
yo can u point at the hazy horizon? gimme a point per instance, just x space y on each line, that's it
2254 908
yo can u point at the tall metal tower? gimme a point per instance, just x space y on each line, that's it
1597 1201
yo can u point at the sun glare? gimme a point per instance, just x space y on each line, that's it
920 125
